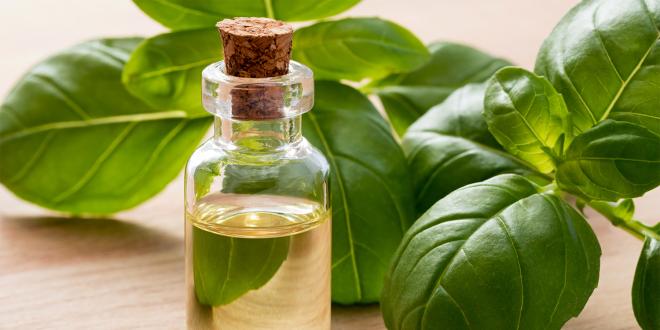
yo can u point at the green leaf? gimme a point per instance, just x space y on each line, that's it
190 14
450 147
73 139
225 268
613 160
407 96
499 254
357 48
527 116
372 202
165 71
646 286
604 58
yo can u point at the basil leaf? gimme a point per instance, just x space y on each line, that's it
499 254
372 202
165 71
613 160
603 58
190 14
646 301
357 48
74 140
450 147
407 96
225 268
527 116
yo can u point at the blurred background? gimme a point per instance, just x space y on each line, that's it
31 30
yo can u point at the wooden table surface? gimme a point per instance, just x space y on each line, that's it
127 272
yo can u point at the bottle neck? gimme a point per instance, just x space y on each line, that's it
258 136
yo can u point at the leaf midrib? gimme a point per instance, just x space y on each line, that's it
142 117
625 83
340 184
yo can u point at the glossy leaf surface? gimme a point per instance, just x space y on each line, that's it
372 202
646 300
527 116
357 48
407 96
499 254
604 58
73 139
165 71
611 161
450 146
190 14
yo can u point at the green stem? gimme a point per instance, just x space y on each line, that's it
632 226
269 8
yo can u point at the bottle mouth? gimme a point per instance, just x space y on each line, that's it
239 98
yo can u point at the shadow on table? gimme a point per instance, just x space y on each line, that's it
366 317
59 239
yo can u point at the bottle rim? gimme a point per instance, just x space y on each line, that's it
287 96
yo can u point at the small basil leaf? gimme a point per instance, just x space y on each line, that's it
73 139
498 254
603 57
646 286
191 14
527 116
358 48
372 202
407 96
166 70
450 147
225 268
610 161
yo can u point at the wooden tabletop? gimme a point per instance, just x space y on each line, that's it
127 272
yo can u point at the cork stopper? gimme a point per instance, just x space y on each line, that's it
256 47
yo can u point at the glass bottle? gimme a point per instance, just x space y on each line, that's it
258 235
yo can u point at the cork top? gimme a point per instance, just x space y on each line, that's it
256 47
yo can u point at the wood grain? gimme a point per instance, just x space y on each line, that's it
60 273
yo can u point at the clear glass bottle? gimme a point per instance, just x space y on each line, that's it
258 235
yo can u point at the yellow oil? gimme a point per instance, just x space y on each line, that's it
258 262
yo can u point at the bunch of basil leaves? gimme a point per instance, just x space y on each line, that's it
105 125
509 252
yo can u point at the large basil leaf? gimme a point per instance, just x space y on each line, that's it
165 71
407 96
527 116
73 139
372 202
225 268
500 254
610 161
190 14
646 287
358 48
450 146
604 58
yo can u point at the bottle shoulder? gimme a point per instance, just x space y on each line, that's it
211 153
